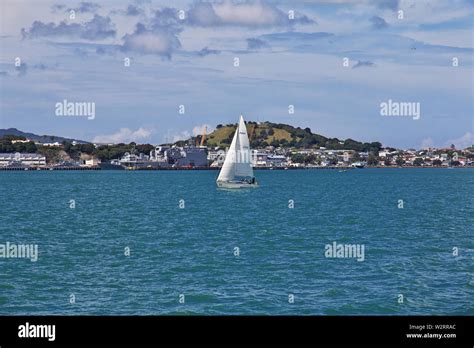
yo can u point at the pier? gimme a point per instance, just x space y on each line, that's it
47 168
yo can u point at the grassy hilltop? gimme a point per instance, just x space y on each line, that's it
278 134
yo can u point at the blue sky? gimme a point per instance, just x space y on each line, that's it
189 60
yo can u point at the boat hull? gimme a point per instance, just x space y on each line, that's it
235 185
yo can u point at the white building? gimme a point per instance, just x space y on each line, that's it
22 159
93 162
20 141
347 155
259 159
276 161
55 144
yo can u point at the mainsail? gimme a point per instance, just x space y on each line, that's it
237 163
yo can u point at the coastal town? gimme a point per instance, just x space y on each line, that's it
21 153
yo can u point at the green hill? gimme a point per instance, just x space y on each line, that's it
278 134
35 137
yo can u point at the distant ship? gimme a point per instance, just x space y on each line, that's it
358 165
237 171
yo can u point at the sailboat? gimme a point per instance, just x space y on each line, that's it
237 171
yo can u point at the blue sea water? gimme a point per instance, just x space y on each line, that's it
191 250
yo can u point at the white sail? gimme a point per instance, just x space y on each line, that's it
238 160
244 164
228 168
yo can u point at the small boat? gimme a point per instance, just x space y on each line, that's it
237 171
359 165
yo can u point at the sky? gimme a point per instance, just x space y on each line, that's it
334 62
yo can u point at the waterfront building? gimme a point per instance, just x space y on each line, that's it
276 161
347 155
260 159
93 162
22 159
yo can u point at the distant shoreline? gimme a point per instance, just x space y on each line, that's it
218 168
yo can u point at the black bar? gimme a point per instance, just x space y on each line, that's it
289 330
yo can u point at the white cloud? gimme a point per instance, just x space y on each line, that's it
124 135
457 38
426 143
246 14
429 11
152 43
461 143
185 135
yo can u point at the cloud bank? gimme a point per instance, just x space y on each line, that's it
124 135
98 28
245 14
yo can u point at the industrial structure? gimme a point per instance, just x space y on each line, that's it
166 157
